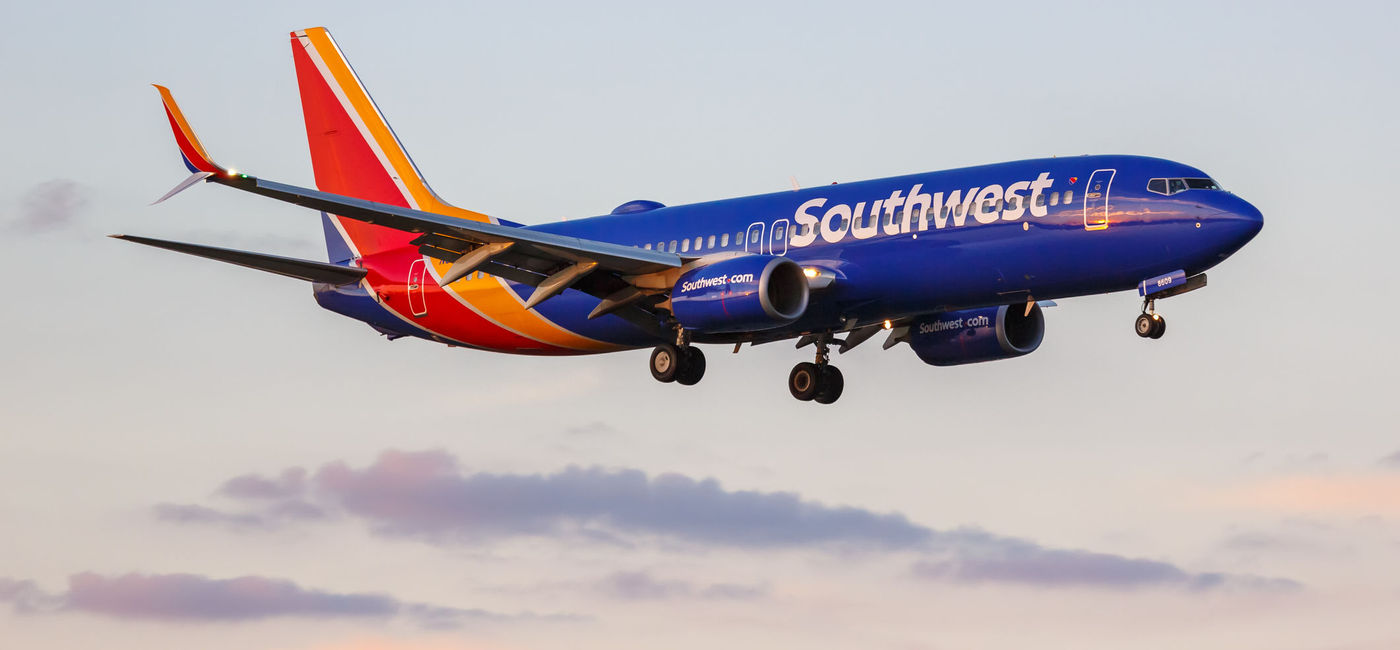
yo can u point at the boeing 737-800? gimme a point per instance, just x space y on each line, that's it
955 263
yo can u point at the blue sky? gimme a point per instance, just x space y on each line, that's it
197 455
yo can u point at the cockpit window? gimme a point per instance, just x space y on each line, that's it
1171 186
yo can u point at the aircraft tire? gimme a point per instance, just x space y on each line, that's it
804 381
1144 325
1160 328
666 361
831 384
692 366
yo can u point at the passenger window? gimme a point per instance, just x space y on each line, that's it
1054 198
648 246
711 242
1069 195
724 240
673 245
958 211
1000 205
778 233
685 245
697 242
1158 185
754 238
1175 185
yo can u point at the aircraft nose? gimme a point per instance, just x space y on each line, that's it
1252 218
1236 223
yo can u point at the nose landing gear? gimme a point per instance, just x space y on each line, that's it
818 382
1150 324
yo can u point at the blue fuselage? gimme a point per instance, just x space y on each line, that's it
977 236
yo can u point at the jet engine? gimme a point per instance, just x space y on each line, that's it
975 335
740 294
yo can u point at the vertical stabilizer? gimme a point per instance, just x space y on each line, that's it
354 152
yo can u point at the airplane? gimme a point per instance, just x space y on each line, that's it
957 264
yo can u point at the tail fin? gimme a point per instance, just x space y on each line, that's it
354 152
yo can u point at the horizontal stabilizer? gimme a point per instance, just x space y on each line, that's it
288 266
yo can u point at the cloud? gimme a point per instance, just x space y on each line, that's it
50 206
1392 460
641 585
25 596
188 513
428 496
195 598
1013 561
290 484
424 494
1258 541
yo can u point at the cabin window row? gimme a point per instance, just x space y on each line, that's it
700 243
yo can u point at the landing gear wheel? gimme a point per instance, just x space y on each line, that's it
830 386
692 366
1150 326
804 381
665 362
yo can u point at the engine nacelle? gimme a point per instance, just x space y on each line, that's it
740 294
975 335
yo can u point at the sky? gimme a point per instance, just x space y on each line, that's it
196 455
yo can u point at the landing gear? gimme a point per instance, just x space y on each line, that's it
692 366
819 382
681 363
804 380
1150 324
665 363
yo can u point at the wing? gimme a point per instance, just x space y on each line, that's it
547 261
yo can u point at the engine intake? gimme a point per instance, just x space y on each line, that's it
976 335
740 294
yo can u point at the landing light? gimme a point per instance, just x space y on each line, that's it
811 272
889 325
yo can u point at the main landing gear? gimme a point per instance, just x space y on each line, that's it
1150 324
819 382
682 363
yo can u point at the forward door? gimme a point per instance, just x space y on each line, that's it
1096 199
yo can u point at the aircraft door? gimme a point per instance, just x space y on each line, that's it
1096 199
416 302
778 242
753 239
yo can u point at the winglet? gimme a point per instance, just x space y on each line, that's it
190 149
